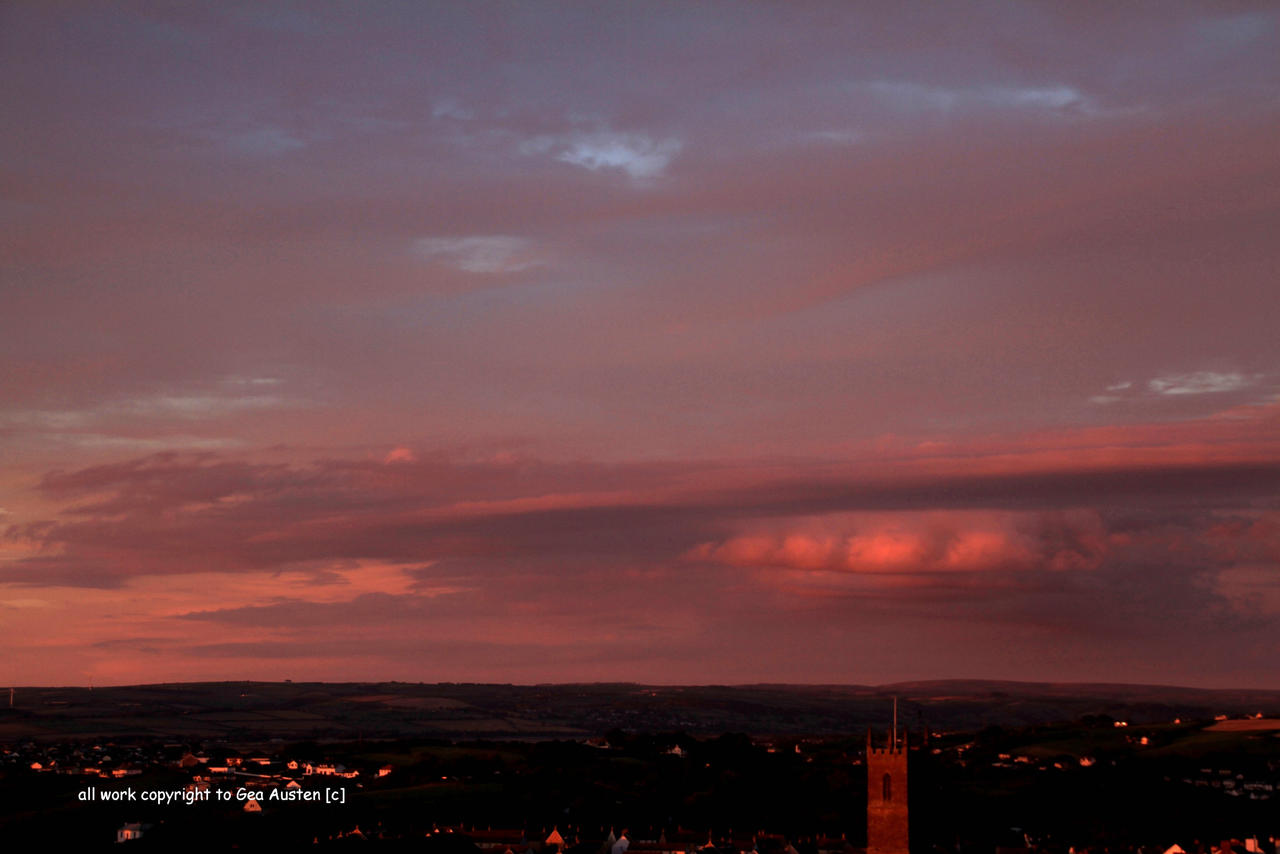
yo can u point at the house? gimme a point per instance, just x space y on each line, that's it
497 840
130 832
681 841
831 845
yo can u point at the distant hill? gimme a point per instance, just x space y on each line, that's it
295 710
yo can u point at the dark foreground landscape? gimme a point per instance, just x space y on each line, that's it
745 768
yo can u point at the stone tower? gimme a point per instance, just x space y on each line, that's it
887 793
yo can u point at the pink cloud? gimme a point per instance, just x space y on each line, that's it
913 543
400 455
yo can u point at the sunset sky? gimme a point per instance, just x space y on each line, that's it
676 343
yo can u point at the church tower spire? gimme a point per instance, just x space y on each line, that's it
887 793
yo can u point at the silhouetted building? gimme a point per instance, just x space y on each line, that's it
887 794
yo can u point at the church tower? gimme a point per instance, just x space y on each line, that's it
887 793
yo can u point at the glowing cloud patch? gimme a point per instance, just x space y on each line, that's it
639 156
480 254
1200 382
400 455
918 97
921 543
